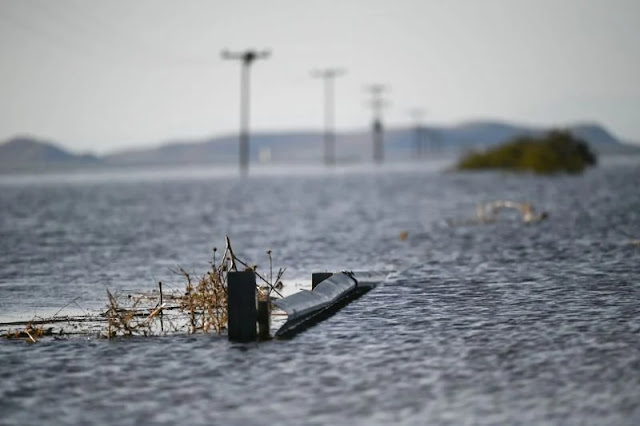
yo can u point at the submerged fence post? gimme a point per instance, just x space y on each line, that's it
241 306
318 277
264 319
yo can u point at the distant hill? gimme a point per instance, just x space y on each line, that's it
288 146
28 154
484 134
285 146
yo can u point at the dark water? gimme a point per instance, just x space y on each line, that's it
495 324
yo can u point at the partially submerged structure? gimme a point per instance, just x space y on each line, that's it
330 292
224 299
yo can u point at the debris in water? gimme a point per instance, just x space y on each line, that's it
488 213
201 307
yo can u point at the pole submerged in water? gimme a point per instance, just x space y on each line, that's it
241 306
264 319
247 57
329 75
378 103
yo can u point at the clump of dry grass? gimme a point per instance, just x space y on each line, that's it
30 332
200 308
127 316
205 304
38 327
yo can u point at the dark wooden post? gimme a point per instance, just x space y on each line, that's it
241 306
264 319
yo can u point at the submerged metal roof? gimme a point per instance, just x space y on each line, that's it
327 292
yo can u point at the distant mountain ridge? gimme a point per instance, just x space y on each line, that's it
399 143
29 154
24 153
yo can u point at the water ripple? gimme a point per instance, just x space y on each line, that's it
500 324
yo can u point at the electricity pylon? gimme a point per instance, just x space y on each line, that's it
419 139
377 104
329 75
247 57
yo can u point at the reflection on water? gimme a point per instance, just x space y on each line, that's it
498 324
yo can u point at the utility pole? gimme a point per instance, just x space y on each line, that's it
377 104
328 75
247 57
417 114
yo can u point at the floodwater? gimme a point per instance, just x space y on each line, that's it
503 323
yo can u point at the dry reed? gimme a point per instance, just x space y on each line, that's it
200 308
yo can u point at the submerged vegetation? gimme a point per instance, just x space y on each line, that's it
201 307
554 152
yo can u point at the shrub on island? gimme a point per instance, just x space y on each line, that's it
554 152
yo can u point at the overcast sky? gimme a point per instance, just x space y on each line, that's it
106 75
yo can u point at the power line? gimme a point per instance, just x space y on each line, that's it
85 35
51 37
136 46
328 75
247 57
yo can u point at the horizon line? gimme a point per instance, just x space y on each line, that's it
179 140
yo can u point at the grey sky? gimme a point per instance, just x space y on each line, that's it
106 75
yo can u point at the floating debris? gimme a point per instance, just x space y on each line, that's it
632 239
488 213
201 307
30 332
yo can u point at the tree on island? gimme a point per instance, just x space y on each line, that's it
554 152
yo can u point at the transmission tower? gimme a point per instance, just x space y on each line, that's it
419 134
377 104
328 75
247 57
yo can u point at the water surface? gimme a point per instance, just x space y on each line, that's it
495 324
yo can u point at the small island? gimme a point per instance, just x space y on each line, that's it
556 151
